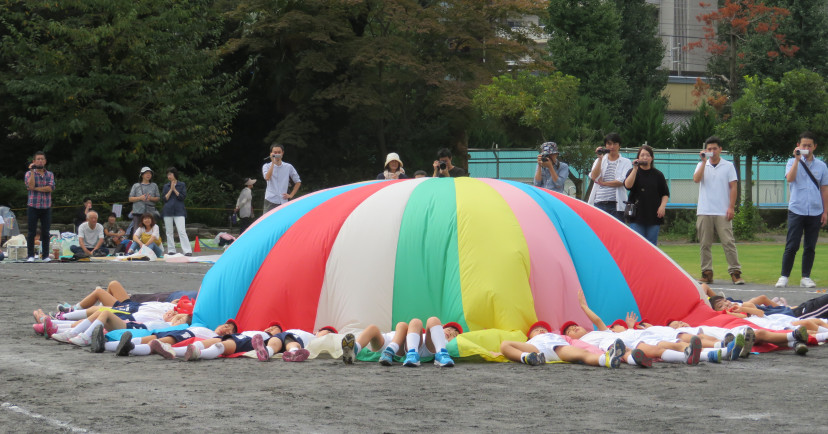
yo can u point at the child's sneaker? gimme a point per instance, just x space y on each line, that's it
65 307
261 350
800 348
750 339
81 340
736 351
163 349
299 355
641 359
412 359
38 328
714 356
98 340
49 327
442 359
348 355
63 337
693 351
387 357
125 345
533 359
192 353
801 334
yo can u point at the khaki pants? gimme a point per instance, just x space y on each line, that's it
706 225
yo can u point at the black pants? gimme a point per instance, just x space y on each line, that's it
45 217
814 308
244 223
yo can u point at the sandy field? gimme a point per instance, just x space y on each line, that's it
46 386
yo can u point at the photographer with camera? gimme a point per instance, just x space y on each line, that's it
40 183
278 174
609 172
717 200
551 174
443 167
808 184
648 194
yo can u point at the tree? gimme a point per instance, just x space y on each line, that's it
647 124
540 102
731 31
642 52
585 42
107 86
353 80
770 115
698 128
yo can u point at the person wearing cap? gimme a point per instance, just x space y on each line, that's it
551 173
233 341
175 192
244 205
608 173
432 343
291 342
602 337
393 168
143 195
543 346
278 174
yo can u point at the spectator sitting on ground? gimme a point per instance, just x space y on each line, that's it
90 237
147 234
113 233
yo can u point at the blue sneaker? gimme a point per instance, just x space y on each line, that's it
534 359
442 359
412 359
387 357
65 307
714 356
736 350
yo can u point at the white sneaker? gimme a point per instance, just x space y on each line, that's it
64 336
162 348
782 282
47 259
81 340
806 282
31 259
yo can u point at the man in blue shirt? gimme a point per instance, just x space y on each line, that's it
551 173
808 183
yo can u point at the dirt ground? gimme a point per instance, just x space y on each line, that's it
46 386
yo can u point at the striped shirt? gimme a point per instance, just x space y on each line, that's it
607 194
40 199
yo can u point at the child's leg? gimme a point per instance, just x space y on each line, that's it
275 344
371 335
412 338
513 350
568 353
435 338
110 321
98 295
117 290
762 299
147 339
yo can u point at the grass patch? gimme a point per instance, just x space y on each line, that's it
761 262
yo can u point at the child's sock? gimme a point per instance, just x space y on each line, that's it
438 338
412 340
673 356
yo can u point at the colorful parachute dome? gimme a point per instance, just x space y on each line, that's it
484 253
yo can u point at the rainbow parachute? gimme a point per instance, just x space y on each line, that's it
482 252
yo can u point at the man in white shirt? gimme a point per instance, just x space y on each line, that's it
714 214
90 237
609 172
278 173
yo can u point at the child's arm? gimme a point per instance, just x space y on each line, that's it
762 299
632 318
596 320
707 291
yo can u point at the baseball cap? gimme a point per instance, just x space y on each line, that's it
145 169
566 326
455 325
537 324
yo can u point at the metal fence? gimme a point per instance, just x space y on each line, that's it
770 190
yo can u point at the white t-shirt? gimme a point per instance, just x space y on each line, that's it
152 311
714 188
203 332
90 236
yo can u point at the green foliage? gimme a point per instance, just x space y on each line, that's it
540 102
770 115
747 222
105 86
681 223
210 200
701 125
642 52
591 122
647 124
586 43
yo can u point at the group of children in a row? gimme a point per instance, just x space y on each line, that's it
107 320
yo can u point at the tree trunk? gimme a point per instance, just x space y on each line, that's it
737 161
749 178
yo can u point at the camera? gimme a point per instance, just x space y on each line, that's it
545 158
442 165
704 155
37 166
602 151
635 163
802 152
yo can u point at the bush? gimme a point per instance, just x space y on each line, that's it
747 222
681 223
